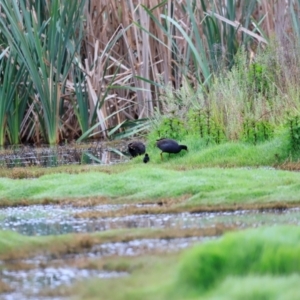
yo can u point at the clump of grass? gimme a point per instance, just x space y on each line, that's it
57 246
171 127
268 251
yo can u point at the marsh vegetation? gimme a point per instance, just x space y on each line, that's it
218 76
99 70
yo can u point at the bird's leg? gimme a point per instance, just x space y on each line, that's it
161 157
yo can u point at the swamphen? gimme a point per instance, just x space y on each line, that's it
169 146
136 148
146 158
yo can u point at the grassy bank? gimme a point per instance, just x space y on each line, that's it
185 175
140 183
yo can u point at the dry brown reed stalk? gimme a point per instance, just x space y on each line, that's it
137 56
104 53
277 18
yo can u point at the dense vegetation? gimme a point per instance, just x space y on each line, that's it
219 76
225 70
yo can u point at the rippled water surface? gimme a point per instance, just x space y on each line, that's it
51 220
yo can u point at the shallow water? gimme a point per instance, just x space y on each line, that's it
50 219
54 220
32 282
92 153
47 273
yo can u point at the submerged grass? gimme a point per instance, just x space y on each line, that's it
57 246
174 208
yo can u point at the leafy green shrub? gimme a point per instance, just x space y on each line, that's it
172 128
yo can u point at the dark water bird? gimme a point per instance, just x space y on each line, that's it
146 158
169 146
136 148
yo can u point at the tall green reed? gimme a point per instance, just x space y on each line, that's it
11 76
46 38
16 114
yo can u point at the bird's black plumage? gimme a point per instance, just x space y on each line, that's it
169 146
136 148
146 158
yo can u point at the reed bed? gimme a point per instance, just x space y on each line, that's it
102 69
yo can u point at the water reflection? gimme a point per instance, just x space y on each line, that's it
94 153
54 220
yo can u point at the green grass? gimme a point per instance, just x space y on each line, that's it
230 154
257 288
265 251
150 182
182 174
